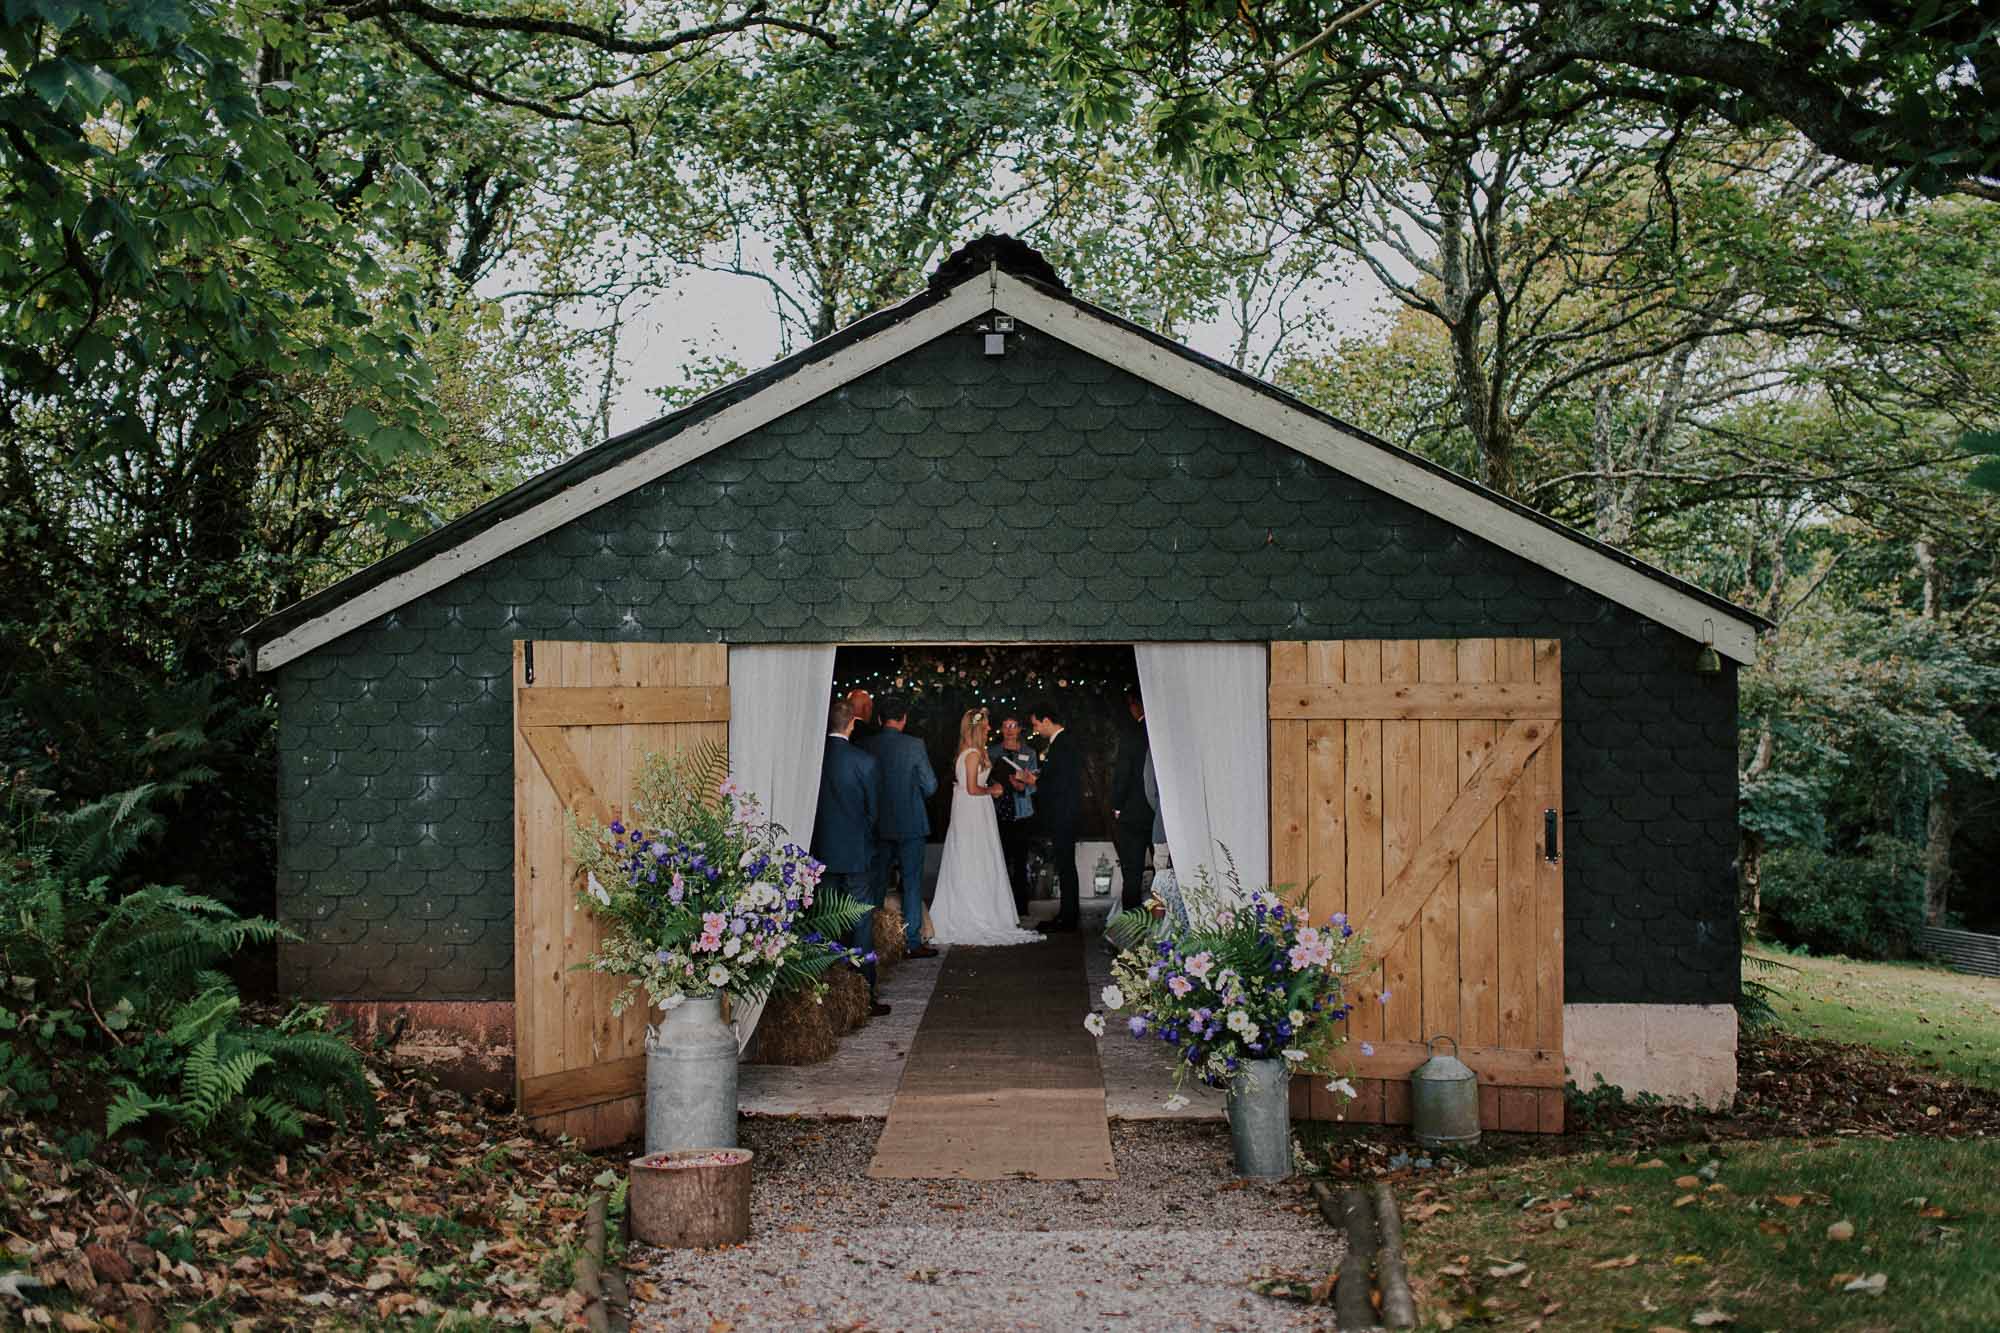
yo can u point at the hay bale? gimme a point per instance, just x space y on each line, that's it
798 1029
889 947
847 997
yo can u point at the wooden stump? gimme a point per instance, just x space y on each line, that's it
693 1199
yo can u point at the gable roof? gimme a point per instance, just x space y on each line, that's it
991 275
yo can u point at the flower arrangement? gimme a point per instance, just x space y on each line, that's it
700 893
1230 978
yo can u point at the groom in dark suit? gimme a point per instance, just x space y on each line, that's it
1059 796
904 826
850 795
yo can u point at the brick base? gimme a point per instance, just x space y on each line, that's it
1683 1052
467 1044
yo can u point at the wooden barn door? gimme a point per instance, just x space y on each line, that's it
1416 784
585 717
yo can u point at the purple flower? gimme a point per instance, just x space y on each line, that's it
1368 1048
1138 1024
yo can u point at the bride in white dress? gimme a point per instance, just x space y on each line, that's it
974 903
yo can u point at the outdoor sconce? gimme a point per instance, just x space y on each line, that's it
1708 662
996 334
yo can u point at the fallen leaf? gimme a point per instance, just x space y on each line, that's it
1687 1182
1790 1200
1627 1262
1622 1209
1685 1200
1874 1284
1712 1318
1653 1165
1507 1270
1841 1230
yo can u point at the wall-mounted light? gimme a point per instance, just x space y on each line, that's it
995 334
1708 662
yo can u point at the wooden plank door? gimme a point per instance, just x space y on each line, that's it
1415 784
585 718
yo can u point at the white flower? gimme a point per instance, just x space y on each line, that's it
674 1001
1114 998
1251 1031
731 947
598 891
718 975
1296 1018
1094 1023
1239 1021
1174 1103
1341 1086
749 855
1294 1054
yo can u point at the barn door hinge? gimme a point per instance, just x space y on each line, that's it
1550 849
528 661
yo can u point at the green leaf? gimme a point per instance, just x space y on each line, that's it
360 422
50 81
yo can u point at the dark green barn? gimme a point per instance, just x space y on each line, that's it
852 493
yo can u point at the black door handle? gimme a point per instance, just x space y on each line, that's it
1549 846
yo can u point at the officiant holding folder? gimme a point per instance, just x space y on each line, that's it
1015 767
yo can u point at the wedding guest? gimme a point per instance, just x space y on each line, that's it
1131 811
1059 787
1016 806
904 826
850 794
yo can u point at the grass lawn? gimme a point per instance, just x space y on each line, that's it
1935 1019
1675 1239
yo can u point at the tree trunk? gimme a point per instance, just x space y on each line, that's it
1939 828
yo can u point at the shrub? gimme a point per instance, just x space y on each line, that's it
1865 905
119 996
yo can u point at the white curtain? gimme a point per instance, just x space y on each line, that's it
1207 722
778 697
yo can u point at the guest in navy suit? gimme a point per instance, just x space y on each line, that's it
850 798
1059 796
904 825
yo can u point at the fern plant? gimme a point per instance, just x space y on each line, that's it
244 1081
126 990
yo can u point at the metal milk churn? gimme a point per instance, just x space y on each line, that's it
1444 1100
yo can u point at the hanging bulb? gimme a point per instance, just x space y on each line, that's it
1708 662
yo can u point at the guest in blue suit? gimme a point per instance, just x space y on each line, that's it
904 826
850 798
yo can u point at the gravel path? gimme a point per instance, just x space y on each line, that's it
1168 1245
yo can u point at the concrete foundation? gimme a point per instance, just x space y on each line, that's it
1683 1052
467 1044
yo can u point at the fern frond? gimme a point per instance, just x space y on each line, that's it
132 1106
213 1080
204 1016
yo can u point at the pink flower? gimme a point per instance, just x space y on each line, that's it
1180 986
1199 965
713 923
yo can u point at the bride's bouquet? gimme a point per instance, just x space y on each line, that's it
1231 976
700 894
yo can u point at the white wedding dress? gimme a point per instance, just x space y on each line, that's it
974 903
